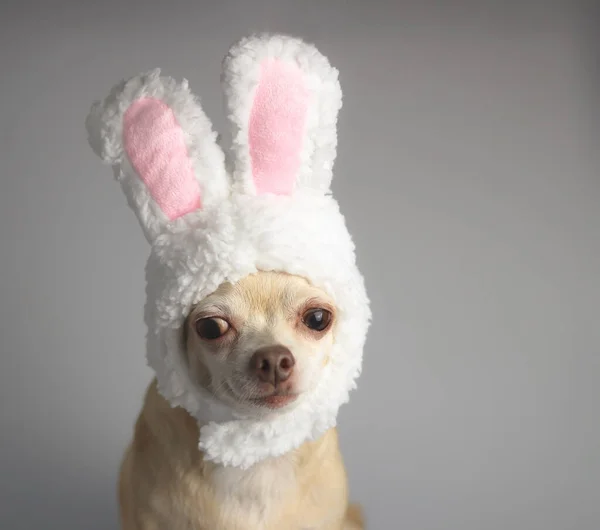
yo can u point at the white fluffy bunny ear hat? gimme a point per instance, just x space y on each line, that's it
211 219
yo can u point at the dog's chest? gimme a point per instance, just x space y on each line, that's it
259 492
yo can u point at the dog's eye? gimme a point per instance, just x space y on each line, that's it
317 319
211 328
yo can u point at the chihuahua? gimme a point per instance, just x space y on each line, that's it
257 313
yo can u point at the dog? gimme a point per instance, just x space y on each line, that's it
253 345
256 311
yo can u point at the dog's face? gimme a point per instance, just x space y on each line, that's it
261 344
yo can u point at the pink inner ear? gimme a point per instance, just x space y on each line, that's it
276 127
156 147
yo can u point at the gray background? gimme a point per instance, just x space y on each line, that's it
468 170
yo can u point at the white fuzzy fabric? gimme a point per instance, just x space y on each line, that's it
237 233
241 69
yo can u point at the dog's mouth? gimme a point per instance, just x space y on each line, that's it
274 401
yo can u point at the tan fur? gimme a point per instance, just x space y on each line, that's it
164 483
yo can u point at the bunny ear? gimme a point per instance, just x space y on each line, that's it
161 145
283 99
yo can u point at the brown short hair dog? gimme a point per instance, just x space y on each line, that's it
252 344
251 367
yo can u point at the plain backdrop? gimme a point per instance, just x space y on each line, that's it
469 173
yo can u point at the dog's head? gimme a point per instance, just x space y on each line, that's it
259 345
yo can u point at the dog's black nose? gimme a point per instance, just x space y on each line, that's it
272 364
